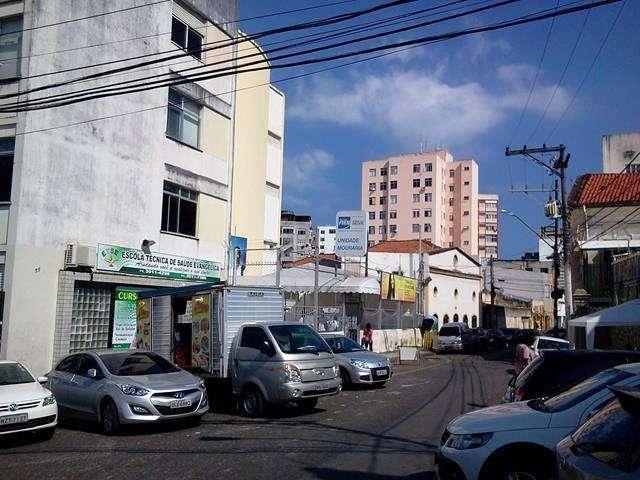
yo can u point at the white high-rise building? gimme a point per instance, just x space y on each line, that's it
327 238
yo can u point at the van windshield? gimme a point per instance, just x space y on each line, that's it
449 332
298 339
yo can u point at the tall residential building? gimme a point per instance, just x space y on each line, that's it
326 238
620 153
428 194
128 191
297 236
488 225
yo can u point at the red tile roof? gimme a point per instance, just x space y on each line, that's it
325 258
605 189
403 246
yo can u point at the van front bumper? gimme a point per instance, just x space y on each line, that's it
291 392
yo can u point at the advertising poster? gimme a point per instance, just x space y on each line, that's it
396 287
201 305
143 321
136 262
124 319
351 233
237 251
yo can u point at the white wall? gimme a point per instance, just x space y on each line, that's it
446 302
614 148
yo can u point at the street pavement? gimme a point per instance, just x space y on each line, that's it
363 433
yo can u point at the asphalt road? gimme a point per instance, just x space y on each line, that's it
383 433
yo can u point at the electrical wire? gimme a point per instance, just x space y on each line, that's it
607 230
238 70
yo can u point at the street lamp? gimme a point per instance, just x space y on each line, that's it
511 214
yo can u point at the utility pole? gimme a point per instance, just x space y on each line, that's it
316 273
559 169
278 265
493 295
556 263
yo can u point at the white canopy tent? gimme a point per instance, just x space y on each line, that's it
625 314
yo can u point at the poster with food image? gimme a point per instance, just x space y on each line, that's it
143 324
201 308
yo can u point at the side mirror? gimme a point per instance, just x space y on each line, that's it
42 380
267 348
92 373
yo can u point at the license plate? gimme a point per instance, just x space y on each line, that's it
13 419
185 402
381 373
323 386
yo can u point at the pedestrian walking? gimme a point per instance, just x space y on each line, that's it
524 355
367 337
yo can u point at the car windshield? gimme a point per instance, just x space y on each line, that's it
298 339
13 373
545 343
582 391
343 345
137 363
449 332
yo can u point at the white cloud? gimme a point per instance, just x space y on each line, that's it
304 171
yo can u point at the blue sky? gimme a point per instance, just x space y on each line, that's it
465 94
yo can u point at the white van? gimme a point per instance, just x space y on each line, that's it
453 336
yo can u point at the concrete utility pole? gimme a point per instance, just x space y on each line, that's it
493 295
316 308
559 169
556 263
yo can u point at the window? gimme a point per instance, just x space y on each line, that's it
394 184
371 243
383 214
416 168
69 364
253 337
466 197
544 270
393 169
322 239
302 232
87 362
372 215
372 230
428 197
287 230
183 119
427 213
633 168
393 229
179 210
428 167
332 230
466 213
393 214
383 171
466 182
393 199
382 229
465 243
452 173
372 200
427 227
6 168
372 187
10 48
452 202
186 37
415 228
372 172
451 217
416 213
427 182
383 200
416 197
383 185
416 183
322 231
452 188
466 168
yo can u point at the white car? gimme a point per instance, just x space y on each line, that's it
550 343
518 440
25 405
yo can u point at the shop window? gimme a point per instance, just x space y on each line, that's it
179 210
10 29
183 119
186 38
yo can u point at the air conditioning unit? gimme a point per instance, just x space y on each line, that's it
372 188
79 256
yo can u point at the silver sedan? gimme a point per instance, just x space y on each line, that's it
116 387
358 365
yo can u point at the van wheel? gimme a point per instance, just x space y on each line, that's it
109 419
308 404
251 402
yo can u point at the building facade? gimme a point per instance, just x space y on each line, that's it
326 238
426 195
488 209
131 191
620 153
297 236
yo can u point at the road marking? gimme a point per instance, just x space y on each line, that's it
416 370
416 384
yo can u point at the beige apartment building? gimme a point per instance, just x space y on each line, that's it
429 195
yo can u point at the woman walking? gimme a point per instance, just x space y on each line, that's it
367 337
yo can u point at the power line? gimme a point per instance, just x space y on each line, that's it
236 70
619 222
286 12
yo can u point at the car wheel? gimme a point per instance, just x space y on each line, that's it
522 469
47 433
251 402
344 377
308 404
109 418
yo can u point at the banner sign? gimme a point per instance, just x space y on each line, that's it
200 321
124 319
143 325
351 233
137 262
396 287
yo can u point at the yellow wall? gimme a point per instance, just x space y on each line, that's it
212 219
215 134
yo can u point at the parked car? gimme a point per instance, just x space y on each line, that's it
453 336
557 332
607 446
116 387
509 334
518 440
358 365
557 370
25 405
478 339
278 362
550 343
497 340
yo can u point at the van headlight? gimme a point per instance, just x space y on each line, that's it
133 390
50 400
292 373
468 440
359 363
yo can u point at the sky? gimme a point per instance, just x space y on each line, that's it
466 94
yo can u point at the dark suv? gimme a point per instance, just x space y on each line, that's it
557 370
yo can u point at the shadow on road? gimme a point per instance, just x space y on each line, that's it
334 474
